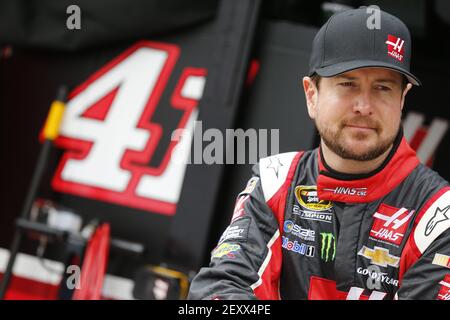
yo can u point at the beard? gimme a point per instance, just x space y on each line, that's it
335 140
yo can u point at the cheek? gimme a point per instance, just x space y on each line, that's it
331 111
391 119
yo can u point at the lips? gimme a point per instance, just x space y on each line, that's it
360 127
362 124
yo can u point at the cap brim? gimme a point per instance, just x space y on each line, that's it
338 68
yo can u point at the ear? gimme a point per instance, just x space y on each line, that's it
408 87
311 94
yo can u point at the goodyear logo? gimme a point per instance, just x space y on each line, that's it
308 199
225 249
379 256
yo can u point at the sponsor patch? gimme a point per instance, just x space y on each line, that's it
379 256
390 224
239 208
251 185
307 197
444 292
225 249
327 246
298 247
377 276
237 231
441 260
359 192
298 231
313 215
395 47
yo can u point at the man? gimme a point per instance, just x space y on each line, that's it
357 218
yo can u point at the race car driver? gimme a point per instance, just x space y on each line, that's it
359 217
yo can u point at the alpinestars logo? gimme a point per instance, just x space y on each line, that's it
395 47
439 216
390 223
328 247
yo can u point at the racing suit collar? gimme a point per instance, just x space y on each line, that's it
360 188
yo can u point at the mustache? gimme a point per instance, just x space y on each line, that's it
361 122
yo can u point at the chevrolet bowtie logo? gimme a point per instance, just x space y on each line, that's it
379 256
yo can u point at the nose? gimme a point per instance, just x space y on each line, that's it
363 104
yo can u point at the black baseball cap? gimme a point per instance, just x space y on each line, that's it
352 39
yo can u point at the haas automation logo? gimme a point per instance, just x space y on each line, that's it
395 47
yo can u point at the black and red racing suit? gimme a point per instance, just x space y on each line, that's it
303 231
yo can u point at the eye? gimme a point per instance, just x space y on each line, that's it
347 84
383 88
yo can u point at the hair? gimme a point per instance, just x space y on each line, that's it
316 80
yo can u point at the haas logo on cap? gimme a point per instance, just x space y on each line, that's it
395 47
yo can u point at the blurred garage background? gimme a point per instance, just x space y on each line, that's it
107 196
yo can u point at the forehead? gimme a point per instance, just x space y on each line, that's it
373 74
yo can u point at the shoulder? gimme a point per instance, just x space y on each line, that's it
427 178
433 218
275 171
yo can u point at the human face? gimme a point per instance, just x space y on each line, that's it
357 113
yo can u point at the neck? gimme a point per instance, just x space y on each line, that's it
351 166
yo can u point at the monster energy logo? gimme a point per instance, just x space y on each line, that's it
328 244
